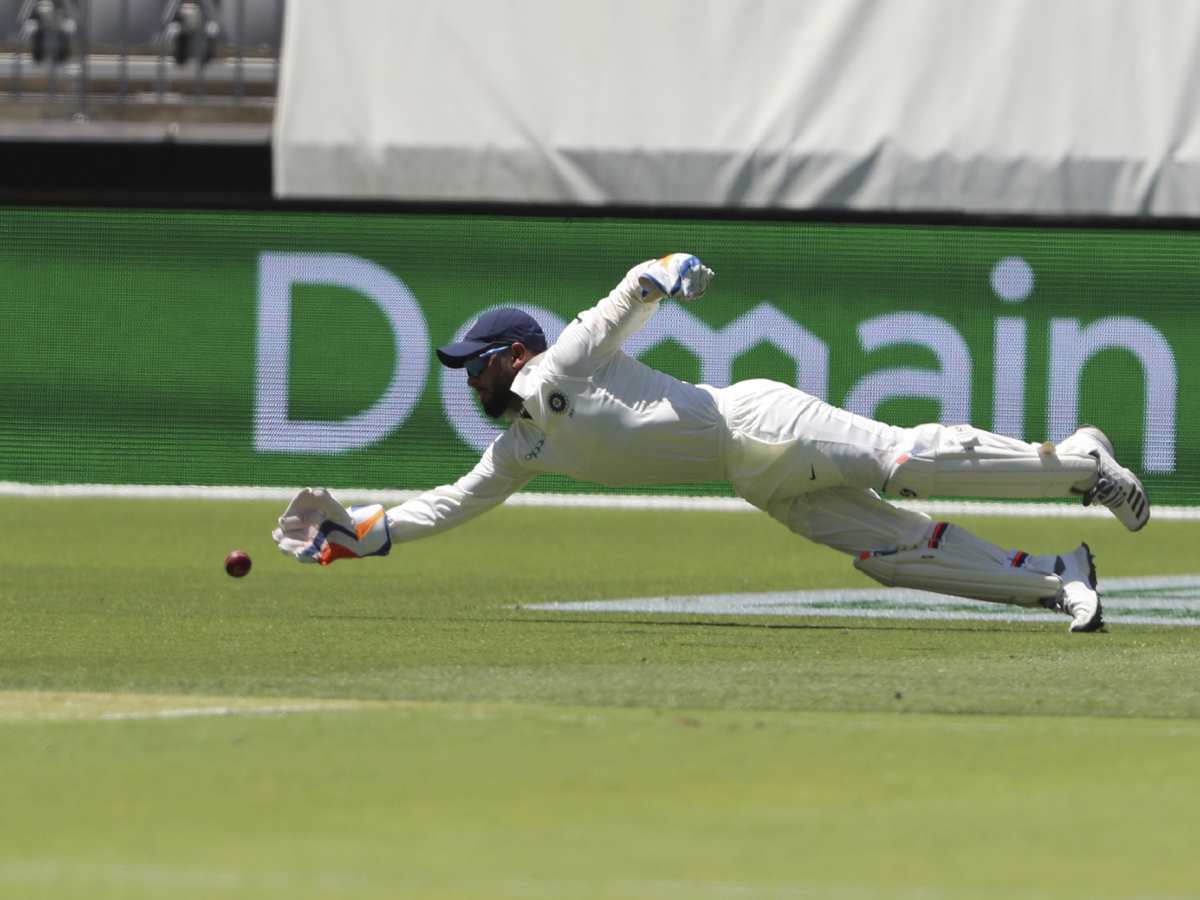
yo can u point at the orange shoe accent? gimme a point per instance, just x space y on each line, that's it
332 551
363 527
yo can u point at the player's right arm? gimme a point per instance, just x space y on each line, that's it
495 478
316 528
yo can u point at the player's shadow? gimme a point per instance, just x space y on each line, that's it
893 625
858 625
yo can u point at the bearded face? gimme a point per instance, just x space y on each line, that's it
493 386
498 402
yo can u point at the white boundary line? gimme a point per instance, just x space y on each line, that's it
223 711
1050 509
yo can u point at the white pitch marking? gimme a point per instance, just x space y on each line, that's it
1162 600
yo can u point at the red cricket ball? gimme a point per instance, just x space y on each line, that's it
237 563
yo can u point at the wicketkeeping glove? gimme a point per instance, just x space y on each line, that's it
679 276
316 528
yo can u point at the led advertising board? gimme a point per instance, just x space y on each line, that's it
288 348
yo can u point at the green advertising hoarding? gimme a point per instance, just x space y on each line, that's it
286 348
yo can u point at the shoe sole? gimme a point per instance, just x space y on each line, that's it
1101 438
1096 622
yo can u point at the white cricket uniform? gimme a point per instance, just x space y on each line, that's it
593 412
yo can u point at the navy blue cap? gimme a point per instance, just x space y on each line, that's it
500 326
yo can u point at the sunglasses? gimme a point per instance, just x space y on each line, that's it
476 364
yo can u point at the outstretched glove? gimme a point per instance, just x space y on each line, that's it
316 528
679 276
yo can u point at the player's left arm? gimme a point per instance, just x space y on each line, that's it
599 332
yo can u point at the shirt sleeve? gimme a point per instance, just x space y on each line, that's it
495 478
598 333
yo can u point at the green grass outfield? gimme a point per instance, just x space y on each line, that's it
400 727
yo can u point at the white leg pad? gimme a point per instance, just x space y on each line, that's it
966 462
954 561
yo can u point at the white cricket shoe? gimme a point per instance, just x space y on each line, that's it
1077 597
1116 487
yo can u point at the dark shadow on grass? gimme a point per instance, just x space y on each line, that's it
886 625
896 626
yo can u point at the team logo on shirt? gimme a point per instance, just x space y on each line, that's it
557 401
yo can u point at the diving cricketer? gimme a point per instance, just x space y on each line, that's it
584 408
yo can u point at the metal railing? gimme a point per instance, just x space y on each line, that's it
139 60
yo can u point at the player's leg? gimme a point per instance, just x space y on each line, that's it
851 520
786 442
904 548
962 461
952 560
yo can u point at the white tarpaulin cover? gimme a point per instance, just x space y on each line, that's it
1048 106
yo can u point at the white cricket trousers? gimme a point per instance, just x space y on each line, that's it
819 469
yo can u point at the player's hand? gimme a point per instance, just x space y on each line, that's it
679 276
316 528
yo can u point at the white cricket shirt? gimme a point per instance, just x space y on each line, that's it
594 413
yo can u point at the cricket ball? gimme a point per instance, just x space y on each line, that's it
237 563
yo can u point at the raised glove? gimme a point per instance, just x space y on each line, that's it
679 276
316 528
